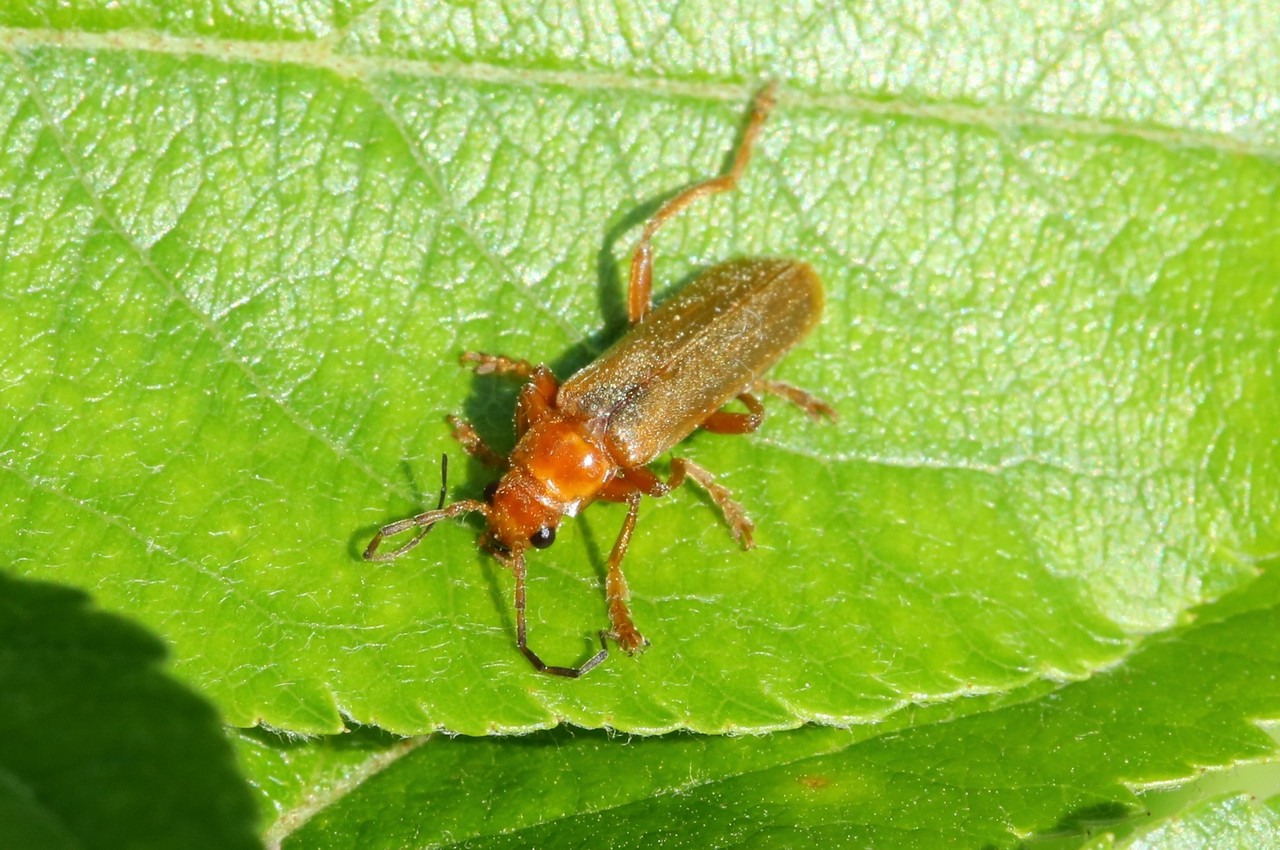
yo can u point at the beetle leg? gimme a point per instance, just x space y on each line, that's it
629 481
725 422
510 367
739 525
806 401
616 490
624 629
517 566
537 399
642 481
640 291
473 445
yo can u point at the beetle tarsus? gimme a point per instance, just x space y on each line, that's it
813 406
497 364
628 639
740 525
465 433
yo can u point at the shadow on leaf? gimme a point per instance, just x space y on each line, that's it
103 749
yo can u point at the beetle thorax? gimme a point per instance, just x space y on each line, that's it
556 470
569 467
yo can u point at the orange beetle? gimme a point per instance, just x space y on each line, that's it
593 436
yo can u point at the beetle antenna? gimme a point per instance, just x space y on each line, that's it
522 631
444 478
424 522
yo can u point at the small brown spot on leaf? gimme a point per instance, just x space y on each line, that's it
814 782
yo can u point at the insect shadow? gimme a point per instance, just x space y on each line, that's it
1090 819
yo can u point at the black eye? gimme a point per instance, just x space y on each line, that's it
543 538
490 490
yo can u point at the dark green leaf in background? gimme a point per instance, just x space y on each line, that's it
1234 823
101 749
1183 701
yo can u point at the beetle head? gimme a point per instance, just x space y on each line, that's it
517 517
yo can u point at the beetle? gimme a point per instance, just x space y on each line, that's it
593 436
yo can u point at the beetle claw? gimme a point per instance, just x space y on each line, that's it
628 639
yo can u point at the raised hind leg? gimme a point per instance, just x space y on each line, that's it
648 484
640 289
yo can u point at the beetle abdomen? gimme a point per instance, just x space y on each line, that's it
693 354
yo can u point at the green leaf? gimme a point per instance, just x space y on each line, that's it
296 777
241 257
1233 823
1052 768
102 749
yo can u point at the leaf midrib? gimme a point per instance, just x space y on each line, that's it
325 53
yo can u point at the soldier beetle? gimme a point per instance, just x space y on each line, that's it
593 436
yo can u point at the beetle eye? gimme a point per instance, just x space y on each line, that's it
490 490
542 538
